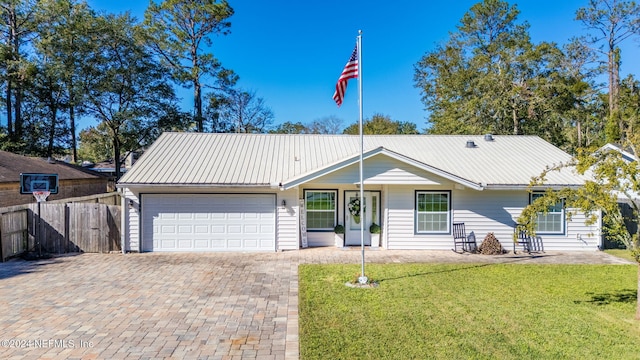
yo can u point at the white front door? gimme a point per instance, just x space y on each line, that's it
369 213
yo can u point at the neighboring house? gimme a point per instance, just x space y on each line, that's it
627 157
73 181
269 192
624 200
108 167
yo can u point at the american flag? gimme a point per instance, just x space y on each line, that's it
350 72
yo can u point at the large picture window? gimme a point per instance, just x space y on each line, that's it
551 222
321 209
433 212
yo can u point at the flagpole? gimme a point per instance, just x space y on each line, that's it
363 279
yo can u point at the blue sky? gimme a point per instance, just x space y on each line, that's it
291 52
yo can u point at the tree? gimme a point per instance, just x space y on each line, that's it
64 41
177 31
325 125
612 180
125 88
17 24
382 125
613 22
239 111
580 68
489 78
290 128
95 143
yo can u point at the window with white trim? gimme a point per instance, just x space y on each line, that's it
551 222
321 209
432 212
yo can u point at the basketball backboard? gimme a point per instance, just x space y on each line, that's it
38 182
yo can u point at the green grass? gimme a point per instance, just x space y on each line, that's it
621 253
505 311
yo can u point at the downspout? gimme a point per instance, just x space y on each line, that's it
123 222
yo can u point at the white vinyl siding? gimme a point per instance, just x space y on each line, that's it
494 211
288 234
382 169
132 222
287 229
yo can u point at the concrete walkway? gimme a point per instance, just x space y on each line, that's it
180 306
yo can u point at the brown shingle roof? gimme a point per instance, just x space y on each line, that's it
11 165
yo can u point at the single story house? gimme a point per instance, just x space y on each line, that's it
268 192
73 181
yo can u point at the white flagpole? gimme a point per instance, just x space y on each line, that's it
363 279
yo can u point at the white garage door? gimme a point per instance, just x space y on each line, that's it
209 222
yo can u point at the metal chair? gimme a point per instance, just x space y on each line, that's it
521 238
461 240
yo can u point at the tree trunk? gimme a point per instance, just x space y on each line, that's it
17 121
72 124
197 103
52 131
9 111
116 152
638 296
515 121
579 129
611 80
197 88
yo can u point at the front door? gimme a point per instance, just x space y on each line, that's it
358 213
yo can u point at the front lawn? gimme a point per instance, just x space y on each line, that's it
506 311
621 253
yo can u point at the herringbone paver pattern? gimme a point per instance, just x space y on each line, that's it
177 306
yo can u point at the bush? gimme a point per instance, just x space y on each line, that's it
339 229
374 228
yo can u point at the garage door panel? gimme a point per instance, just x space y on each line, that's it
209 222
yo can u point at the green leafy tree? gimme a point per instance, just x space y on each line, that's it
177 32
610 179
580 68
126 89
17 26
95 144
490 78
612 22
290 128
382 125
64 41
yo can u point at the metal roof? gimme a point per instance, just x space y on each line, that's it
274 159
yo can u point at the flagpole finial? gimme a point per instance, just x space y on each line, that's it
359 32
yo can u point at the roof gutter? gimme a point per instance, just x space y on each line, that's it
182 185
520 187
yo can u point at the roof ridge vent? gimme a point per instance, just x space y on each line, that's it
488 137
470 144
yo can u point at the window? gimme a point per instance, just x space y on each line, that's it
551 222
321 210
432 211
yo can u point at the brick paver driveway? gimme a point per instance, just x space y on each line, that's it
180 306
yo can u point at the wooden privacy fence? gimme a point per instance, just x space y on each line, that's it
85 224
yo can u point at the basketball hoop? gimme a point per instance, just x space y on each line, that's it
41 196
